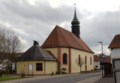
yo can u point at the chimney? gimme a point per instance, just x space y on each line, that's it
35 42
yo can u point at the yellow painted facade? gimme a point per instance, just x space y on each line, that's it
22 66
53 50
52 66
74 60
63 50
66 51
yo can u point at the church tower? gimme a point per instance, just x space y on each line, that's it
75 25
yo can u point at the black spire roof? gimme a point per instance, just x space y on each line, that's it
75 25
75 20
36 53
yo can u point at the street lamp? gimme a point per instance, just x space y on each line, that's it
102 55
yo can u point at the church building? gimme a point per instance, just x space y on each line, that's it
63 48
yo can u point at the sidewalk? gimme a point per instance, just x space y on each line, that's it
106 80
90 80
98 79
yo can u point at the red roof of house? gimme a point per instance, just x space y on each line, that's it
96 58
107 59
60 37
115 42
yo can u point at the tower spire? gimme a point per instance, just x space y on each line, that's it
75 16
75 24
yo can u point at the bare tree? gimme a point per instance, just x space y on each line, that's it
11 45
101 55
80 62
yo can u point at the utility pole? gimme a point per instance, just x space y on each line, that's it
102 55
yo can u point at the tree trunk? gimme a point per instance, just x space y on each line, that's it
80 69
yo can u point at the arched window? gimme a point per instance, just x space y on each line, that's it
64 58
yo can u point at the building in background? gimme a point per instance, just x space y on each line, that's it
6 63
115 47
96 62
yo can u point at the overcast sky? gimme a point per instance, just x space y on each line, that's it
35 19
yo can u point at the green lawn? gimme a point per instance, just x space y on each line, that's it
5 78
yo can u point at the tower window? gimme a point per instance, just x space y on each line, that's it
64 58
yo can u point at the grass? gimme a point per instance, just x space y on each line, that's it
6 78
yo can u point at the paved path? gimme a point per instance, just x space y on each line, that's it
105 80
66 78
69 78
91 80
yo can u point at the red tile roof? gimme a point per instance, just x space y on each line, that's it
106 59
60 37
115 42
51 54
96 58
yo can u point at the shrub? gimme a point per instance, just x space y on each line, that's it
22 73
52 73
14 71
57 72
7 71
0 73
64 69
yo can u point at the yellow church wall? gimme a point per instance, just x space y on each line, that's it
66 51
51 67
23 66
74 60
74 56
53 50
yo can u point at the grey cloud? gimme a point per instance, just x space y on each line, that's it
38 21
102 27
43 12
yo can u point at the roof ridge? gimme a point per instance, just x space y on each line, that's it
40 51
87 45
34 52
57 36
63 36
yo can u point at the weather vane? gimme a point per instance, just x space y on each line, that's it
75 6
